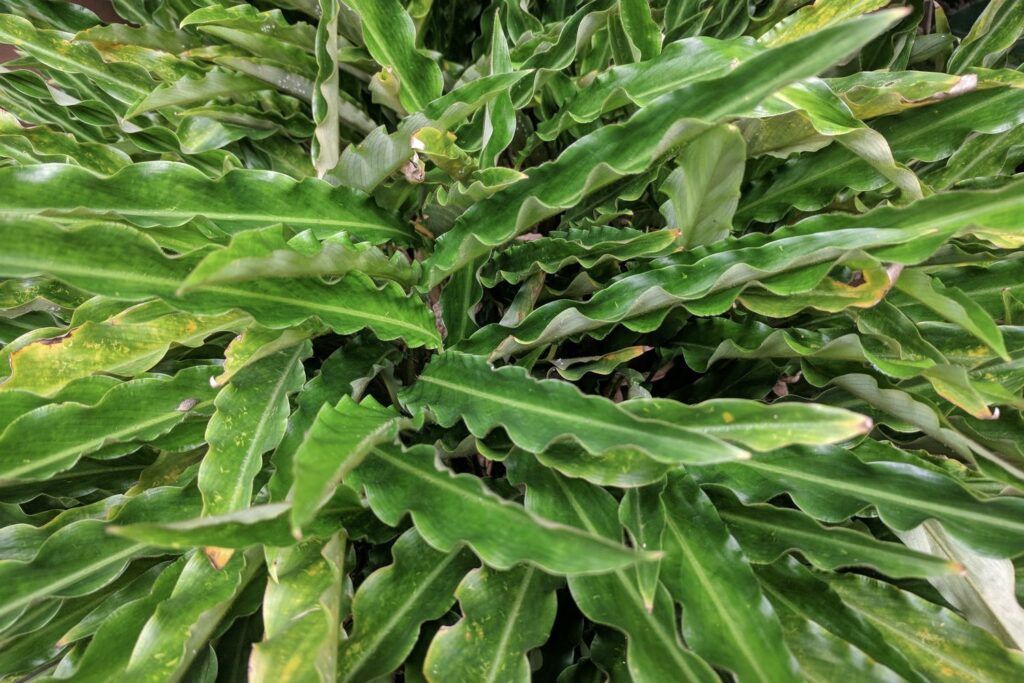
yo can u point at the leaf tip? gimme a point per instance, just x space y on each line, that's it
218 557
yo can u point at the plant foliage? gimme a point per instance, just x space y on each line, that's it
507 340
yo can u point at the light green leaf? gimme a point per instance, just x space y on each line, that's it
121 81
326 146
816 16
985 592
760 426
391 38
126 344
704 189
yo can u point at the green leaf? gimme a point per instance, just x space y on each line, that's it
501 116
250 419
941 645
981 156
714 277
170 194
535 413
302 611
811 181
265 253
460 509
256 525
459 300
339 439
726 618
326 148
258 342
191 90
106 652
170 639
504 616
139 410
391 38
365 165
766 533
679 64
588 247
642 33
797 593
997 28
394 601
126 264
832 485
952 305
344 373
82 557
704 189
642 514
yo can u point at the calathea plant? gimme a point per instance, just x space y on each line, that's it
506 340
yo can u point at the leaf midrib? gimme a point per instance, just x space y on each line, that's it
506 631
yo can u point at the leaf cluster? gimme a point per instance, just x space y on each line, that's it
504 340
